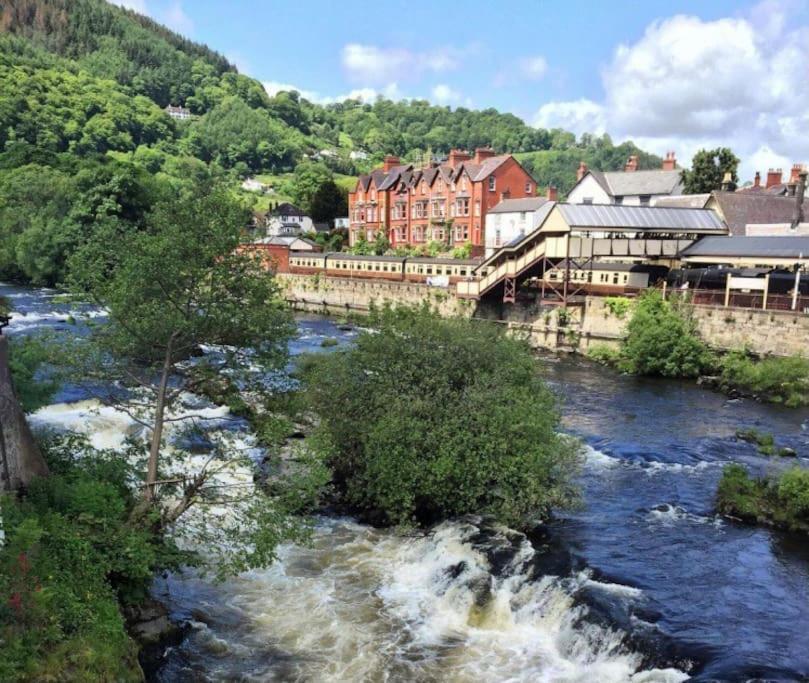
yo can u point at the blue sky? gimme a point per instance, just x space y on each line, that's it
670 75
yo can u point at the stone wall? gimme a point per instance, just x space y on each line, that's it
337 295
583 326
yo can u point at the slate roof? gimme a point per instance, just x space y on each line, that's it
514 205
641 218
741 209
623 183
688 201
740 245
287 209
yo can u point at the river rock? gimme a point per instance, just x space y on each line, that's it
787 452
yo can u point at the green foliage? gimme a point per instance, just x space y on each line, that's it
780 500
619 306
329 342
427 418
662 340
308 178
778 379
328 202
68 558
463 252
26 357
708 168
606 355
764 440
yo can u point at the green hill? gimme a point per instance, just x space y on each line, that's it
83 85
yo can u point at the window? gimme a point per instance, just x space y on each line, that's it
463 206
463 183
615 278
527 188
522 216
439 209
587 200
492 183
644 199
497 237
477 207
424 188
373 195
619 199
440 185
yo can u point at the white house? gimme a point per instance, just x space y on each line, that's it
630 187
287 219
511 219
180 113
341 223
253 185
358 155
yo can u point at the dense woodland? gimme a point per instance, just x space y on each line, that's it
84 139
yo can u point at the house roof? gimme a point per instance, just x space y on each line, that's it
482 171
741 209
640 218
518 205
623 183
286 241
739 245
321 227
287 209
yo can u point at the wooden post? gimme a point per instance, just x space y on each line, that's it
727 290
766 291
664 289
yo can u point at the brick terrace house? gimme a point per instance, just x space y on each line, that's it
445 202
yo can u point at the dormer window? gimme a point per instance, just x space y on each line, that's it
492 183
463 183
528 188
424 188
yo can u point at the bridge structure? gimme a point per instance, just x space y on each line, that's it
572 237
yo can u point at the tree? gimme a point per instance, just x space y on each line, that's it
328 202
708 169
308 178
661 340
428 418
171 288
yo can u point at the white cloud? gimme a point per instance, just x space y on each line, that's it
689 83
274 87
534 68
374 65
443 94
175 18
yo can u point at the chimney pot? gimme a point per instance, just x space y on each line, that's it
553 193
757 180
582 171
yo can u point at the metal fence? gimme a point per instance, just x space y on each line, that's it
716 297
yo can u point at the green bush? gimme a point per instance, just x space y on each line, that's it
606 355
661 340
428 418
619 306
328 342
764 440
68 559
782 500
778 380
25 358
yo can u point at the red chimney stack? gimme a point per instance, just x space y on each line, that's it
553 194
582 171
774 177
757 180
458 156
794 175
482 153
389 162
669 163
631 164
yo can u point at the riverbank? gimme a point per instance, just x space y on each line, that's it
661 561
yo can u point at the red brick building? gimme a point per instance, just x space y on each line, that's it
444 202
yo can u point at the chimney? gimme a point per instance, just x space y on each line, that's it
631 164
553 194
670 162
797 216
389 162
457 156
482 153
774 176
795 173
727 182
757 180
582 171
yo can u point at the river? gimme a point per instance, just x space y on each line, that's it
642 583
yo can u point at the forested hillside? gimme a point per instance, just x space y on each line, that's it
83 84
